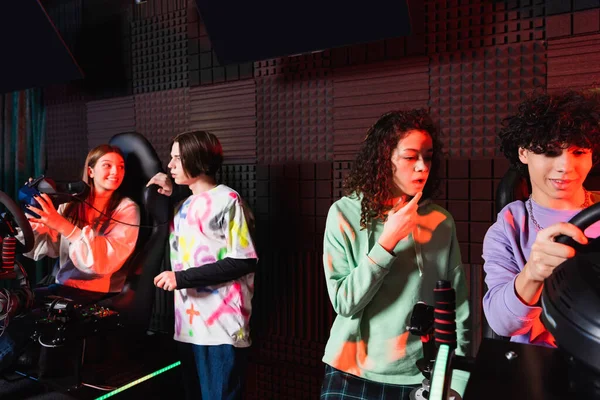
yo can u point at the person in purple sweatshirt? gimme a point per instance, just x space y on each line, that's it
553 140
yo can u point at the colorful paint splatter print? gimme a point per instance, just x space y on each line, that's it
208 227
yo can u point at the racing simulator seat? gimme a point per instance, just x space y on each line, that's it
511 187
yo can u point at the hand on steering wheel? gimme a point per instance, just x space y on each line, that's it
547 254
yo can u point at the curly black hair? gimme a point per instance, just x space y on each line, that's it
547 123
372 172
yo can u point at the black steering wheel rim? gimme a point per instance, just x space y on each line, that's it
22 222
583 220
570 296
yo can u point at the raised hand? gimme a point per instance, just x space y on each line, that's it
49 216
161 179
400 222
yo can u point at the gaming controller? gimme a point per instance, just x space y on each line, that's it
30 190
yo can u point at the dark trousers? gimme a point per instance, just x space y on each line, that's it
213 372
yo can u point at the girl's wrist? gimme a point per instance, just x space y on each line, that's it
386 243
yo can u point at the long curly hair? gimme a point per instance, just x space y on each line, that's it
372 172
548 123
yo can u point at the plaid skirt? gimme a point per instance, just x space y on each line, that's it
339 385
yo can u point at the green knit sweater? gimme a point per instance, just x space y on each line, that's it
373 292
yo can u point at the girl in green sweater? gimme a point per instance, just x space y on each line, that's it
385 247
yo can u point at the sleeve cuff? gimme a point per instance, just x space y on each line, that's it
178 280
516 306
459 381
380 256
75 233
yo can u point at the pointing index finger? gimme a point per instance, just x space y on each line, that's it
415 200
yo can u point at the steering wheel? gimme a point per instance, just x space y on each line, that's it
583 220
571 296
21 221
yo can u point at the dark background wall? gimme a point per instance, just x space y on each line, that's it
290 128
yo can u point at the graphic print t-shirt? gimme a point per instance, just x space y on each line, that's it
208 227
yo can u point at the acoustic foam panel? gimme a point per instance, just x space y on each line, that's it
573 23
154 8
460 25
471 92
159 46
229 111
363 93
564 6
294 109
106 118
162 115
573 62
241 178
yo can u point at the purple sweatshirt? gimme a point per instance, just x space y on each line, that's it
506 249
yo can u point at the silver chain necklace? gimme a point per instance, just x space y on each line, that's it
585 204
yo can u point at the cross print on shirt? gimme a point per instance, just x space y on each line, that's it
191 312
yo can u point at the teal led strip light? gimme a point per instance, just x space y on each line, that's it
142 379
439 373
